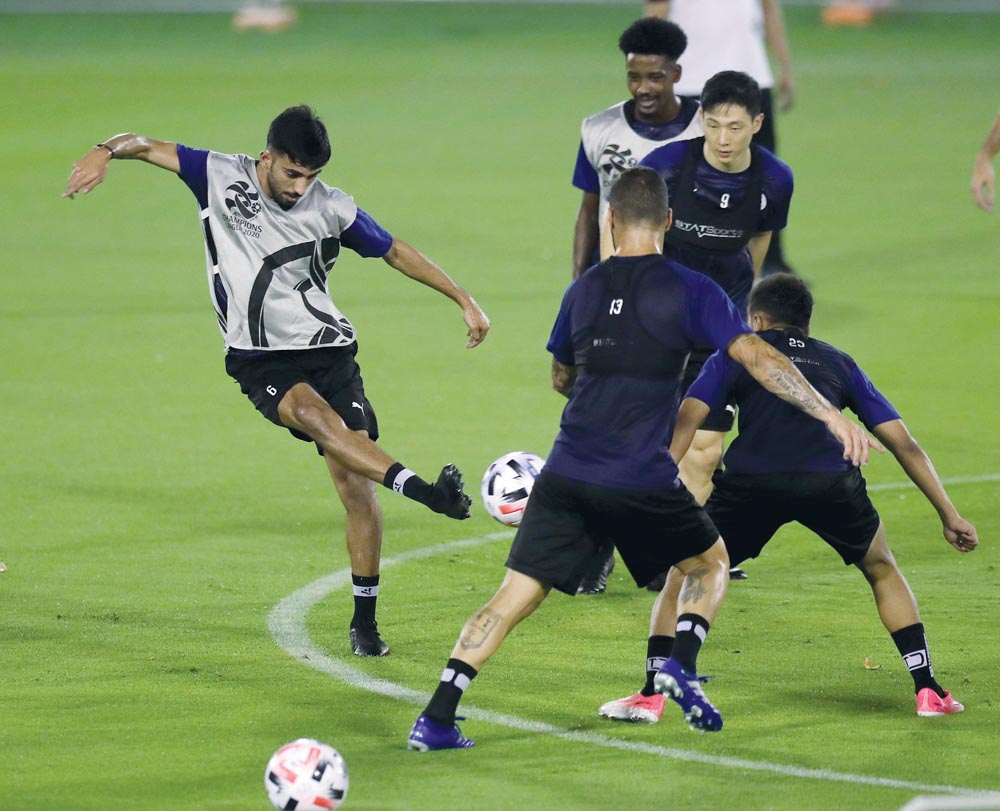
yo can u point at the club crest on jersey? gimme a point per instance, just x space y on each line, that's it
614 160
243 204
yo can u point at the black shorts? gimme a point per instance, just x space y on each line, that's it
748 510
566 521
720 418
266 377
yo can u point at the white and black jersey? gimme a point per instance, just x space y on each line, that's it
268 267
612 141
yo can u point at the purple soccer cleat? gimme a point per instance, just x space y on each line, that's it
427 736
685 689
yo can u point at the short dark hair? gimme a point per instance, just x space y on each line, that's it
640 195
299 134
732 87
784 298
651 35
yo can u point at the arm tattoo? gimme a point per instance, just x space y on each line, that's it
778 375
478 629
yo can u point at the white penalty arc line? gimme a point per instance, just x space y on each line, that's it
287 624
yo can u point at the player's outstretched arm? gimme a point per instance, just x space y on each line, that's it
410 262
917 465
983 176
779 376
92 168
690 416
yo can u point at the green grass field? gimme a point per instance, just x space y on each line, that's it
151 521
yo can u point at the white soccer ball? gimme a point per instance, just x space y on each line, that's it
306 775
507 484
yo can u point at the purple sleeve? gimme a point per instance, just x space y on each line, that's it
712 383
869 403
561 340
711 318
194 172
366 237
778 187
584 175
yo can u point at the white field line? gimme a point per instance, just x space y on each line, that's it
287 624
947 482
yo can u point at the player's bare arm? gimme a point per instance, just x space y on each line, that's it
410 262
90 170
777 47
779 376
918 466
563 378
758 245
690 416
983 176
586 234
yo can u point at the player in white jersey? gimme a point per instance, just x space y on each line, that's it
272 234
617 138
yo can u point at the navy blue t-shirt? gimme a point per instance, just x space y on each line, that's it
775 436
616 428
733 271
364 236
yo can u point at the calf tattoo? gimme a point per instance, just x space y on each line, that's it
694 586
478 629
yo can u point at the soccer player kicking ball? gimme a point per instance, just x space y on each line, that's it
273 232
619 345
782 468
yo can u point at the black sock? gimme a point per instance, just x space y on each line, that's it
444 703
691 632
405 481
911 642
658 650
365 596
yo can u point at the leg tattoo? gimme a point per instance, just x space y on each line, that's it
694 586
478 629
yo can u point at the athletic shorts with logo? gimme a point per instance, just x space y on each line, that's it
266 377
566 521
749 510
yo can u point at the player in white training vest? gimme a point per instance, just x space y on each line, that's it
616 139
272 234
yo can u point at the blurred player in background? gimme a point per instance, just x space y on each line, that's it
619 343
737 35
273 232
783 467
983 176
616 139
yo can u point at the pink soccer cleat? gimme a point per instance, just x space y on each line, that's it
930 704
639 709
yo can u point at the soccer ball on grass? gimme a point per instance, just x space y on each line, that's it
507 484
306 775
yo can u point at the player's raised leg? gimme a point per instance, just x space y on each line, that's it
897 608
517 597
303 409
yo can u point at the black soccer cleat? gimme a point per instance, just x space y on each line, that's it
596 582
448 496
365 640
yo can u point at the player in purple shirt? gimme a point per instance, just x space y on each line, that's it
728 196
784 467
619 347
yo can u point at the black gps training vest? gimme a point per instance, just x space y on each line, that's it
614 341
699 220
